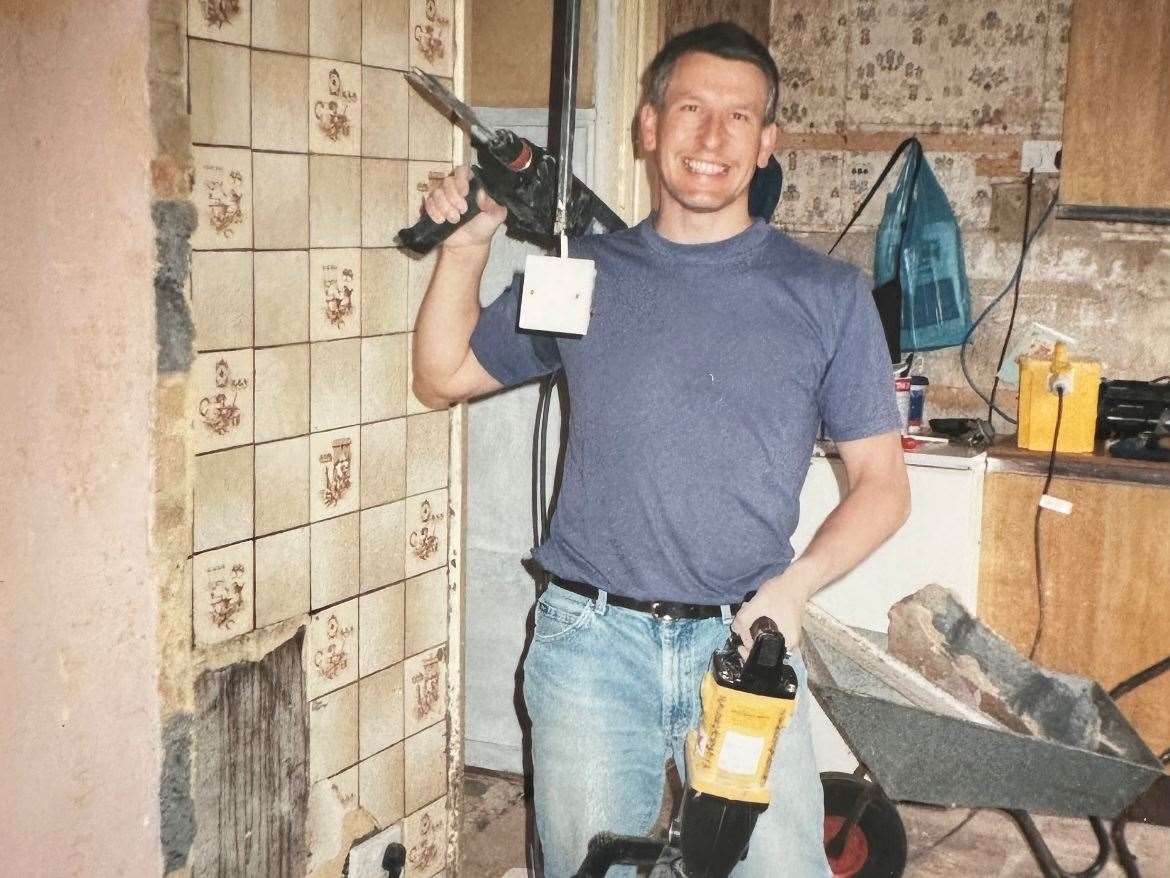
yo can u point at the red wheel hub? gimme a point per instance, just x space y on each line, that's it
853 854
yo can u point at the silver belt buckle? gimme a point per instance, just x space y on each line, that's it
665 617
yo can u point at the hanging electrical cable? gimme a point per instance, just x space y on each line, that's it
1007 336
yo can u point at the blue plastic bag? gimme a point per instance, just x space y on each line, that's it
918 241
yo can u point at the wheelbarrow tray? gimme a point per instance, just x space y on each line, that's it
923 745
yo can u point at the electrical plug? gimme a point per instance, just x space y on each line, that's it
1061 382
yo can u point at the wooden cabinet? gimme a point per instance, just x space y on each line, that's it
1115 162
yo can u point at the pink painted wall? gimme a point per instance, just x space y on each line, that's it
79 727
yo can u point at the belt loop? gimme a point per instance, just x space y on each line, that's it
601 602
725 609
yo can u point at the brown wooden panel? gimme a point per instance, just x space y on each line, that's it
1117 105
1105 566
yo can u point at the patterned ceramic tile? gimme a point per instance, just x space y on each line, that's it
331 649
280 100
219 93
426 767
335 195
383 201
427 441
280 201
335 283
381 781
335 29
334 560
365 858
384 462
222 399
384 376
810 43
223 498
384 305
430 132
222 591
282 297
282 576
222 195
228 21
334 473
811 200
432 36
335 107
386 33
282 485
221 298
330 801
380 724
384 119
333 733
419 273
336 383
425 680
281 25
426 611
382 545
424 833
427 518
282 392
382 615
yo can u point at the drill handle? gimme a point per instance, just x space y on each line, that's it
426 234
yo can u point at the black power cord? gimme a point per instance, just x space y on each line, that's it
1007 336
1036 528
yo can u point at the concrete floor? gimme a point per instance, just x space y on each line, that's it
495 817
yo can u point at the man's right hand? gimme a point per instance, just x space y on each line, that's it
447 202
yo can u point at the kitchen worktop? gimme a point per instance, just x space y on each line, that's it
1004 457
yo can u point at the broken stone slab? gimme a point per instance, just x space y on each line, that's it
933 633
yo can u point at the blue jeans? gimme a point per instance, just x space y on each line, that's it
612 693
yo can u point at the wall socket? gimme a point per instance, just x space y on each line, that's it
1040 156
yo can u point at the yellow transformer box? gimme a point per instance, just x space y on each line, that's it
1040 381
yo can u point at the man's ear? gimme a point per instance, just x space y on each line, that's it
648 127
768 139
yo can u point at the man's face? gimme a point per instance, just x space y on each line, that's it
709 136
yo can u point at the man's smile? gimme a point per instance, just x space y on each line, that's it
708 169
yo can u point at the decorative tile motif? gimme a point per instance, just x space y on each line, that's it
282 392
386 33
221 297
334 468
382 624
384 113
223 498
282 576
282 297
223 197
426 766
228 21
336 287
282 485
333 733
382 779
384 201
336 383
222 397
427 441
335 108
382 555
425 836
280 98
335 193
381 722
384 306
383 462
222 591
280 201
427 518
281 24
431 30
384 376
422 177
426 611
331 649
334 574
220 94
425 679
335 29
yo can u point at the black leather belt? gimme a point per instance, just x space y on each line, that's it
658 609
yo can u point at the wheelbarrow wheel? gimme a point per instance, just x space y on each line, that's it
875 842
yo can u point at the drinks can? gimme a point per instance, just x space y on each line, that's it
918 384
902 396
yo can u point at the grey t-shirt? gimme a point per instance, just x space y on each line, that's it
695 399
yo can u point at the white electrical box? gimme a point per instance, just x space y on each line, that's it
1040 156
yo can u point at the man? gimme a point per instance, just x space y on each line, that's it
717 346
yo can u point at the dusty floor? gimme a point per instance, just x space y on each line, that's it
990 845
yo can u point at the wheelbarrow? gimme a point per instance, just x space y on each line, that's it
915 742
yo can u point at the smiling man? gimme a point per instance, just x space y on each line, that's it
717 347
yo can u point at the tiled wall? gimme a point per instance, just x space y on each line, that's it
321 482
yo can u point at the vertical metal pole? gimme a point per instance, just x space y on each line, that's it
568 110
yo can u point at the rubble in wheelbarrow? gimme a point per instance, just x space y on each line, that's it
934 634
